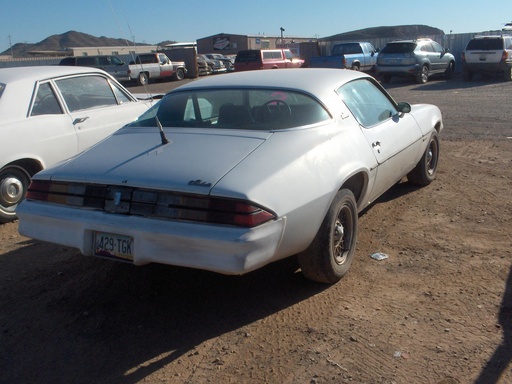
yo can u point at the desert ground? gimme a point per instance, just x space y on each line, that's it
438 310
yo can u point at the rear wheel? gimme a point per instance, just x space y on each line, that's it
422 77
355 67
180 74
425 171
467 75
385 78
507 75
329 256
143 78
14 182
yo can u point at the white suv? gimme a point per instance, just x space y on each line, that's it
488 54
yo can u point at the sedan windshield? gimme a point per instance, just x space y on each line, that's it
254 109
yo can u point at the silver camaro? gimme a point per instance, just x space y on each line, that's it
231 173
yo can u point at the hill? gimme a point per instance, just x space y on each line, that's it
397 32
65 40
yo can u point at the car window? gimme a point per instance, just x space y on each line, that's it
485 44
399 48
86 61
121 95
289 55
45 102
437 47
253 109
86 92
367 102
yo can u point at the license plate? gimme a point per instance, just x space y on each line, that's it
113 245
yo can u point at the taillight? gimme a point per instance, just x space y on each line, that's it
463 56
504 56
151 203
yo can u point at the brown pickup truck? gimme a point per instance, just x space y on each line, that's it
252 59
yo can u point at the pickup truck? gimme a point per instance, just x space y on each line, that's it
152 66
252 59
356 56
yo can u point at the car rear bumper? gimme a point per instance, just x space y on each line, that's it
222 249
486 67
398 70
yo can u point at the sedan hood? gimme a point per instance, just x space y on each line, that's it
193 160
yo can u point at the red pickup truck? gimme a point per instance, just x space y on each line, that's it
252 59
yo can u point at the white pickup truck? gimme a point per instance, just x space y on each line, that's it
152 66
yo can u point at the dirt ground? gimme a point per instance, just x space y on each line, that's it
438 310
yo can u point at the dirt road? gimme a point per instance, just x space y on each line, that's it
438 310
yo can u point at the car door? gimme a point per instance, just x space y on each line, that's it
441 57
395 139
47 133
97 107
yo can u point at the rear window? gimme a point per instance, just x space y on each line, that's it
399 48
244 56
250 109
347 49
485 44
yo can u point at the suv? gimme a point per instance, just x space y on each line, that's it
110 64
419 58
488 54
266 59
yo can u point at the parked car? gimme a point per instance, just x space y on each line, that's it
203 68
155 66
113 65
252 59
230 173
488 55
358 56
217 66
229 62
50 114
419 59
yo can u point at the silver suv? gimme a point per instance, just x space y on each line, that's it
419 58
488 54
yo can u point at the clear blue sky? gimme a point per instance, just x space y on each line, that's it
30 21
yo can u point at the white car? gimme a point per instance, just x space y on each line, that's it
48 114
230 173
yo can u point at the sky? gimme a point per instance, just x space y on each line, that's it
151 22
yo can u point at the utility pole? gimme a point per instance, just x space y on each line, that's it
282 30
10 47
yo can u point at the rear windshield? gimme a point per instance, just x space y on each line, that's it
485 44
399 48
252 109
347 49
244 56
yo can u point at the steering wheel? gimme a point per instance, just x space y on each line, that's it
277 110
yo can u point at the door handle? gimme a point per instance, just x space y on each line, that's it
79 120
376 144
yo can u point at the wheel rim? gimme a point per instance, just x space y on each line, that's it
432 157
424 74
13 184
342 235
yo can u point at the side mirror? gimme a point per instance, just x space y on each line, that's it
403 107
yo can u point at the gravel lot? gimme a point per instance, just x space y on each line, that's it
439 310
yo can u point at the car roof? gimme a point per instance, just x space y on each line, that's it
32 74
315 81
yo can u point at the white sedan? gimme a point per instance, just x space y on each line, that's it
48 114
231 173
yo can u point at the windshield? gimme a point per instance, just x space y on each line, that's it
253 109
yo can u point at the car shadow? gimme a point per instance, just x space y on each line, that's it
71 318
502 357
438 83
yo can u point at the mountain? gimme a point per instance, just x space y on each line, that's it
398 32
68 39
79 39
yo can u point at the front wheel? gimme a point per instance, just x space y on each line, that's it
425 171
14 182
329 256
449 71
422 77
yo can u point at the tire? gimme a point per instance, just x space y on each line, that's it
449 71
422 77
467 75
507 75
180 74
355 67
14 182
143 78
329 256
426 169
385 78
